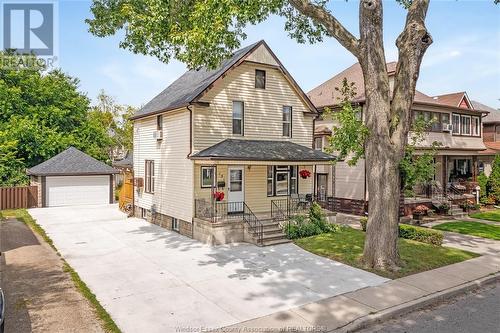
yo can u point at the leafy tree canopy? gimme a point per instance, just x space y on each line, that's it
41 114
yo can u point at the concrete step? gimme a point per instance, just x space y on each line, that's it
275 242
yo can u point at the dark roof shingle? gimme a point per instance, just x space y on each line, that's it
71 162
261 150
192 83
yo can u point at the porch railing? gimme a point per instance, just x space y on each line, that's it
218 211
254 225
436 193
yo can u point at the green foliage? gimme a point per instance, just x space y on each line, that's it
348 137
314 224
493 184
482 180
363 221
41 114
419 168
492 215
419 234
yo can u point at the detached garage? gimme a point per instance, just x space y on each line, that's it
73 178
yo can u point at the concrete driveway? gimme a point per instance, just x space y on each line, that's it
153 280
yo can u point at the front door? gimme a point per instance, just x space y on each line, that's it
236 186
321 186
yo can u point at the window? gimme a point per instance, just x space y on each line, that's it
318 143
476 126
270 180
445 118
282 180
456 123
260 79
175 224
436 123
466 125
159 122
207 176
287 121
238 114
144 213
150 176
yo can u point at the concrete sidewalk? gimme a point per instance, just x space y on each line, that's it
359 308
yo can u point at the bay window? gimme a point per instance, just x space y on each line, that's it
282 180
465 125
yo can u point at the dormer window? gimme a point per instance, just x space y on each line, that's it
260 79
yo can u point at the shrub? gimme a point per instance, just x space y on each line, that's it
363 221
493 184
482 179
314 224
420 210
419 234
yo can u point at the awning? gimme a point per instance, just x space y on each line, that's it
262 150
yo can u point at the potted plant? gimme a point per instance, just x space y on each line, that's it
218 195
304 173
419 212
443 208
467 205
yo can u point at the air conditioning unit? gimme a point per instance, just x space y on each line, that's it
447 127
158 135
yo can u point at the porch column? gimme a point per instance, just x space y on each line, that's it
445 173
474 168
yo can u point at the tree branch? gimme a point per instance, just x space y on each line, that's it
331 24
412 44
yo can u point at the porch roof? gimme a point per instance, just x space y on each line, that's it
261 150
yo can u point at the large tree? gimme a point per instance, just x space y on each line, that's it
41 114
203 32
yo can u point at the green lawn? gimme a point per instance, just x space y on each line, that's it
492 215
346 246
472 228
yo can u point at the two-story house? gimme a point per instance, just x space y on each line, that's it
220 145
491 137
457 127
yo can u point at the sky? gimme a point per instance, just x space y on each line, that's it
465 55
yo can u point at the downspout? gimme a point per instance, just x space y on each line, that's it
189 108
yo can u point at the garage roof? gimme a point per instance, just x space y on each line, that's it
71 162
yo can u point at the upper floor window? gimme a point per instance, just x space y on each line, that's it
260 79
149 175
318 143
466 125
238 117
287 121
456 123
159 122
476 126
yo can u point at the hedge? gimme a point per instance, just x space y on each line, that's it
419 234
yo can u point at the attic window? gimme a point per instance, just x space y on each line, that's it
260 79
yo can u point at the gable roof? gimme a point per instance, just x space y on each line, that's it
492 117
326 95
71 162
192 84
261 150
126 162
453 99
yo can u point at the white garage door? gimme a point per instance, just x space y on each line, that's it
76 190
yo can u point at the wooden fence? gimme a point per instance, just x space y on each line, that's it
18 197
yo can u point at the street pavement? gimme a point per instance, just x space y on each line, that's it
474 312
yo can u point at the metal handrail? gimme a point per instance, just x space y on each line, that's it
278 215
218 210
254 225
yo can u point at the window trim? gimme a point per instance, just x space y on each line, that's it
462 116
242 119
265 78
149 177
473 126
320 148
289 122
272 180
459 131
159 122
282 169
201 176
175 224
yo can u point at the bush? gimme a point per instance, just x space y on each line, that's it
314 224
482 180
363 221
419 234
493 184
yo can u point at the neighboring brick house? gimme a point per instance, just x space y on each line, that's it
458 127
491 137
243 131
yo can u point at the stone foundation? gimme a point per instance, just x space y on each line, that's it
218 233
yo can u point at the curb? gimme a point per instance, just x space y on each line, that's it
416 304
